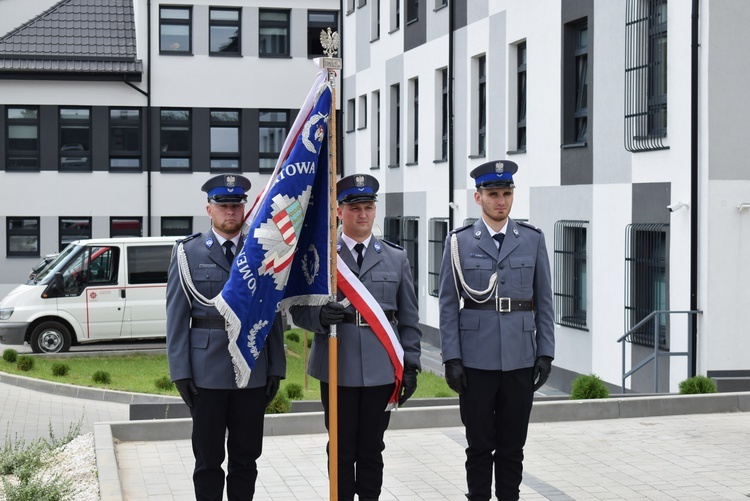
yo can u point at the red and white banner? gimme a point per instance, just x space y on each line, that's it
371 311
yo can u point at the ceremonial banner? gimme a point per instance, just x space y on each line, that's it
283 238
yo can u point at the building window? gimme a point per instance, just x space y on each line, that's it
412 11
645 75
22 140
395 127
350 115
570 274
413 141
71 229
395 10
362 117
175 30
582 83
273 33
521 98
225 140
439 4
224 32
125 227
443 114
438 234
272 131
75 139
481 106
176 226
375 131
646 282
318 21
374 20
410 242
392 229
23 236
124 139
176 141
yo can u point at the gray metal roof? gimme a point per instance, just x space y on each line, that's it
83 39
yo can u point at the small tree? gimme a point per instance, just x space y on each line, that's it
697 384
587 386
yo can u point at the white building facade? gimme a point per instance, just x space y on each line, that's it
626 120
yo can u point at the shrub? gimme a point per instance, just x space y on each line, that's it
164 383
102 377
279 405
60 369
292 337
10 356
25 363
587 386
294 391
697 384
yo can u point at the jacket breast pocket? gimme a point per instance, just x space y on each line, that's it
209 280
385 286
522 271
477 271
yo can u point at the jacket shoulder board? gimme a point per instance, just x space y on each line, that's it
188 238
462 228
529 225
392 244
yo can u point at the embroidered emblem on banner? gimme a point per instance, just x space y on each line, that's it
311 269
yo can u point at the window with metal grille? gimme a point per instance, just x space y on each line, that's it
646 281
645 75
410 242
570 274
436 241
582 82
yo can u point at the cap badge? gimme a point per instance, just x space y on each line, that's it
499 168
230 181
359 181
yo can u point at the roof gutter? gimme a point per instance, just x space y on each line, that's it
694 81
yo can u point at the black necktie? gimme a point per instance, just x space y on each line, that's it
230 255
499 238
359 247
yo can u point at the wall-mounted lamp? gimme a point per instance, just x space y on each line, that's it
743 206
677 206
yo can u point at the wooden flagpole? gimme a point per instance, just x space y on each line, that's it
330 42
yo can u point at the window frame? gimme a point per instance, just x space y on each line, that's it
81 161
313 37
394 149
413 131
437 235
580 113
64 233
32 234
571 274
219 156
521 96
125 154
176 154
481 115
125 232
270 24
170 232
225 23
271 156
163 22
410 243
32 155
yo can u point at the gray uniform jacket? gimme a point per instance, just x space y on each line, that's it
203 354
363 361
486 339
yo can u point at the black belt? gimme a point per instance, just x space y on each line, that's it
501 304
356 318
208 323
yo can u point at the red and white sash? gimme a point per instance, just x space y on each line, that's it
373 313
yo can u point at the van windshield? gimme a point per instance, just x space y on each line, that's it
51 268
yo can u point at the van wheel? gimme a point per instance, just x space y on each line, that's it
50 337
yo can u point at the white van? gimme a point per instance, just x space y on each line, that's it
95 290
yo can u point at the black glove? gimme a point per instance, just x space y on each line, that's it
542 368
272 388
186 388
409 384
455 376
331 313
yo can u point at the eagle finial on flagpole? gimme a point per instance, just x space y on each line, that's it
330 42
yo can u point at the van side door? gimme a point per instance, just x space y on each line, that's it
145 306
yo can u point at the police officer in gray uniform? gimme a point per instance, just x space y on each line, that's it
199 360
497 331
365 373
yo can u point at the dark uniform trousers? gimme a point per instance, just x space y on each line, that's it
495 410
360 411
239 414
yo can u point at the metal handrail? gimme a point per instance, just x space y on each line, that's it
657 354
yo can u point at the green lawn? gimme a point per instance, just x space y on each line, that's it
139 373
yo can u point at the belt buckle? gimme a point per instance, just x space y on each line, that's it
360 321
503 304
